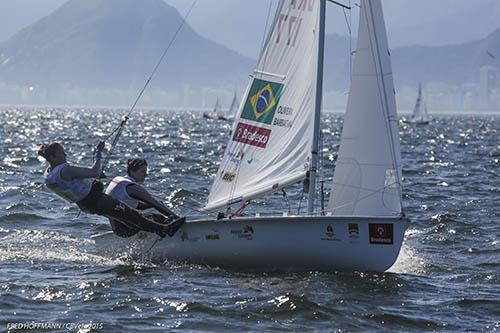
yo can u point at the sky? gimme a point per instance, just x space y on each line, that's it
239 24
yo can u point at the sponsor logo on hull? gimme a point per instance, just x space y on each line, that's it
245 233
212 237
330 234
353 229
381 233
186 238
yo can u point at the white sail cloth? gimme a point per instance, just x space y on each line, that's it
417 110
367 179
234 106
271 140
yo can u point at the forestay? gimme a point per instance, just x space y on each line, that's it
271 139
367 179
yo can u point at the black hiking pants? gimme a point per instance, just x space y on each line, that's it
124 220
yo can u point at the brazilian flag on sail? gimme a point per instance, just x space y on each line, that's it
262 101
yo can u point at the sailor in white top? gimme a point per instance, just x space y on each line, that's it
128 189
75 184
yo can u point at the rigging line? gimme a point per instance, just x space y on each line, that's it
362 198
237 173
387 123
349 24
154 243
350 43
347 21
263 44
162 57
112 148
322 171
191 209
340 4
119 129
265 36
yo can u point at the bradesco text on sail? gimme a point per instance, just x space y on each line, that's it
251 135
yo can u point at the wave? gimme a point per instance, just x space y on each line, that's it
24 217
30 245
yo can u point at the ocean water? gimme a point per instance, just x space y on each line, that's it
446 278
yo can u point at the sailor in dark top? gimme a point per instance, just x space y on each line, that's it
75 184
129 190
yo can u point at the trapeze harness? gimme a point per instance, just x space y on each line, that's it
88 195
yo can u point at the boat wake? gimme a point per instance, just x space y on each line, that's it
408 261
40 245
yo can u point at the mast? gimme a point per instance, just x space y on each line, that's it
317 109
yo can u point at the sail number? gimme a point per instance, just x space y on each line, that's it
293 23
289 25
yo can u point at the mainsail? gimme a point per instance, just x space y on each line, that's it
417 110
271 140
367 179
217 108
420 115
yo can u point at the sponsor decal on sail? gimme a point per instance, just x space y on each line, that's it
228 176
284 117
252 135
262 101
381 233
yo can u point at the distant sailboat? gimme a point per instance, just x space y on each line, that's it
420 115
274 144
216 112
233 108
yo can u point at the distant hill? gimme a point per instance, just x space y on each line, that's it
101 52
452 64
114 44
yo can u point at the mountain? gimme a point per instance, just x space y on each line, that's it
100 52
452 64
114 44
239 24
442 22
17 14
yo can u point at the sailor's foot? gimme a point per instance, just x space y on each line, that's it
171 228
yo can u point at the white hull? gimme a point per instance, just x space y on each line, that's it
420 121
292 243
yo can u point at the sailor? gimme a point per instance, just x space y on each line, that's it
129 190
76 185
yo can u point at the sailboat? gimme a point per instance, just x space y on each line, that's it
274 144
231 112
216 112
420 115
